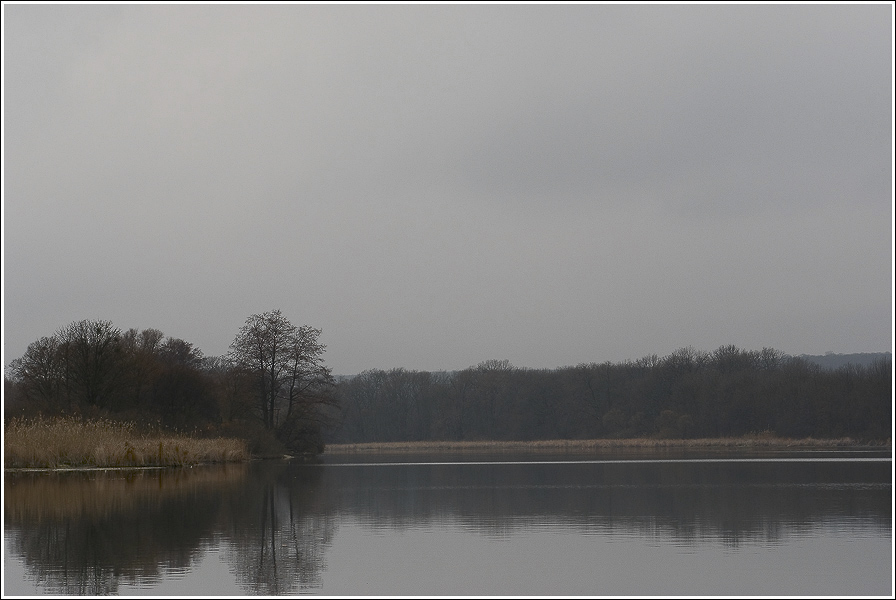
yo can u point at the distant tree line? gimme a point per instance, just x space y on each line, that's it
687 394
271 388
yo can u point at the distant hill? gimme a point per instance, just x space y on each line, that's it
835 361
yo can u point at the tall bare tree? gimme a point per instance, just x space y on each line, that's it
285 363
94 362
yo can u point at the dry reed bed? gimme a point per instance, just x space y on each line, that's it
755 441
75 443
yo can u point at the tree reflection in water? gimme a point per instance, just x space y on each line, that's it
688 503
280 527
88 533
273 521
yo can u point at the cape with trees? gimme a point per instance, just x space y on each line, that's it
272 387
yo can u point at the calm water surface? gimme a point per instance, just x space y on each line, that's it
637 523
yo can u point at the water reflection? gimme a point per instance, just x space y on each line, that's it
280 525
275 522
87 532
90 533
730 502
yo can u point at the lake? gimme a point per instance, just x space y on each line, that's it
637 522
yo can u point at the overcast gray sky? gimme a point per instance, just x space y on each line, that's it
438 185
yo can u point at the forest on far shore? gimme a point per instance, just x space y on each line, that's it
687 394
273 389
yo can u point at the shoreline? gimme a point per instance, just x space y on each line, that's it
89 468
605 444
742 443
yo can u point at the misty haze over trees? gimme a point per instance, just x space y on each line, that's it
830 360
273 389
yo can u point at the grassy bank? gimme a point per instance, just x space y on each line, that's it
75 443
750 441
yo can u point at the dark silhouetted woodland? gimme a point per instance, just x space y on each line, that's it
688 394
273 389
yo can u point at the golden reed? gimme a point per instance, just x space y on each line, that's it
758 440
75 443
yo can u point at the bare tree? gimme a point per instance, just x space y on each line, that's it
40 373
93 359
285 363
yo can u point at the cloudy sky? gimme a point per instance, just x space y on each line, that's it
438 185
